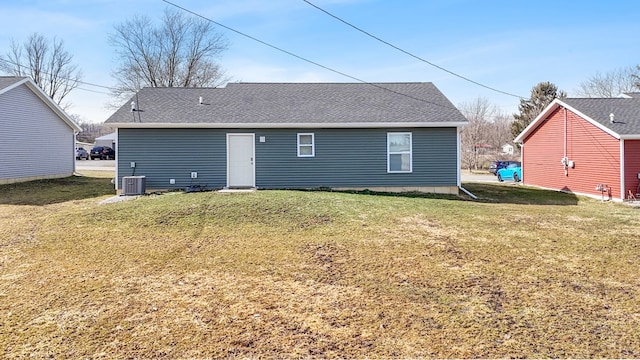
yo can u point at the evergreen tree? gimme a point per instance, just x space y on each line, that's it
541 96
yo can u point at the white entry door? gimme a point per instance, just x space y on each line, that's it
240 161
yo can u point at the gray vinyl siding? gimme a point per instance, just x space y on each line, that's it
354 158
25 118
343 157
164 154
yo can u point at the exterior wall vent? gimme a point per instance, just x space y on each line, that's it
134 185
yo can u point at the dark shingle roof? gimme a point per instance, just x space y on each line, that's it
6 81
273 104
626 112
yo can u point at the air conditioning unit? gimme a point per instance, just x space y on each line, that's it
134 185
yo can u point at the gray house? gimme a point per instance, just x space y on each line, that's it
385 136
28 115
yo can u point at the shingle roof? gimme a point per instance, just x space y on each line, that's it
6 81
626 112
279 104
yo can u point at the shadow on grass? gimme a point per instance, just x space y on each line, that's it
487 193
53 191
516 194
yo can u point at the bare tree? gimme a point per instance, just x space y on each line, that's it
90 130
178 53
486 131
46 62
610 84
501 129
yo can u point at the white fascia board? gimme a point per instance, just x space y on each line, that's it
52 105
285 125
630 137
13 86
534 124
592 122
556 103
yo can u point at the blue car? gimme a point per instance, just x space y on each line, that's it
511 172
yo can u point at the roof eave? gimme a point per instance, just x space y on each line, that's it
556 103
13 86
630 137
534 124
51 104
285 125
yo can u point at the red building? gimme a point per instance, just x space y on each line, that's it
585 146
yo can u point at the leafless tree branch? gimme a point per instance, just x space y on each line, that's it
180 52
610 84
47 63
488 129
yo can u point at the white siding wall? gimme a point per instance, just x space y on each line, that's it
25 119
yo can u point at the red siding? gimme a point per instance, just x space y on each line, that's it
631 165
595 153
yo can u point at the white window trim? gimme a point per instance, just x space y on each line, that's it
313 145
410 152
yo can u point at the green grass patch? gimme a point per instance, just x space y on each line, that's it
291 274
51 191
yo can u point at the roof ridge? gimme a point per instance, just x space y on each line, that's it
328 83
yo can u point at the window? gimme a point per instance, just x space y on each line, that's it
306 145
399 153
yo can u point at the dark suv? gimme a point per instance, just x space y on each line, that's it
102 153
497 165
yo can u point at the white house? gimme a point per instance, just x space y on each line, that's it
107 140
507 149
28 115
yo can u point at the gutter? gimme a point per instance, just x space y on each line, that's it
346 125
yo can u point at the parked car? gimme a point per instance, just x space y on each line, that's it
81 153
511 172
102 153
497 165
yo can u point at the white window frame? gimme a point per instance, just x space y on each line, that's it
409 152
312 145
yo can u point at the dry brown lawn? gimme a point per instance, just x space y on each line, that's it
522 273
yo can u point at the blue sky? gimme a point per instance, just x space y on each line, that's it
508 45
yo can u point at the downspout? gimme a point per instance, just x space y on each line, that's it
458 158
565 160
622 172
468 193
75 141
459 162
116 160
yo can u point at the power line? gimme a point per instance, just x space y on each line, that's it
259 41
412 55
303 58
93 91
65 78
